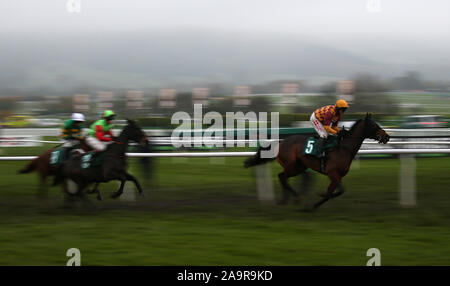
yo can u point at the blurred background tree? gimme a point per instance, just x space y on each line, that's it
8 105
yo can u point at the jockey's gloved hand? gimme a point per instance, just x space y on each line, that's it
342 132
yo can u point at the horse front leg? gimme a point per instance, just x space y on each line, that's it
335 182
136 182
287 189
122 178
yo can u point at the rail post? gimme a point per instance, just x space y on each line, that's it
264 183
407 180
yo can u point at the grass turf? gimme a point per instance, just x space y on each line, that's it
199 213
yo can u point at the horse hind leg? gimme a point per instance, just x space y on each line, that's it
338 193
81 195
69 201
42 192
287 189
97 191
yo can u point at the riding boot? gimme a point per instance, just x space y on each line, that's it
321 153
320 147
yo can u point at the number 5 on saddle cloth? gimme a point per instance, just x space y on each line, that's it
319 147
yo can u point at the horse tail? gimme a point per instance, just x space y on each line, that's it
256 159
37 163
30 167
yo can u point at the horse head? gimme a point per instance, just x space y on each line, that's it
374 131
134 132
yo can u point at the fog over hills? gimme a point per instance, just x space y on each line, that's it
178 43
146 59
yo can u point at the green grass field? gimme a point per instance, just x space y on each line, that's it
199 213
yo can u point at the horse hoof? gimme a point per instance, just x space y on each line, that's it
115 195
282 203
314 208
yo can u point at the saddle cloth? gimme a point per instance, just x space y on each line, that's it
311 145
87 159
58 156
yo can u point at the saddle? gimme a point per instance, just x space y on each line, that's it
320 148
89 159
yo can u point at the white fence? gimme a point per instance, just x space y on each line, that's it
244 154
424 132
407 176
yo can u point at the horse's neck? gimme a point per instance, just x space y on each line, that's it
123 137
121 144
354 140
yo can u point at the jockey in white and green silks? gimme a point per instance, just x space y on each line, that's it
71 131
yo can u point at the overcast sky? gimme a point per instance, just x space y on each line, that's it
316 18
406 34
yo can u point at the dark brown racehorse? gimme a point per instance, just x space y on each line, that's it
291 158
43 167
113 167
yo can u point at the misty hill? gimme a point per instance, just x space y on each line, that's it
151 60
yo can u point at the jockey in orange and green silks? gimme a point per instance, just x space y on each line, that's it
100 132
325 119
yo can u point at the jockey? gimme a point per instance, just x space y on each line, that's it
100 132
326 119
71 131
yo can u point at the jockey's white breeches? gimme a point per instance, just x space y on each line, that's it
96 144
318 126
70 143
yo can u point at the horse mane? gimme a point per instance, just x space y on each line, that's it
352 129
357 122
